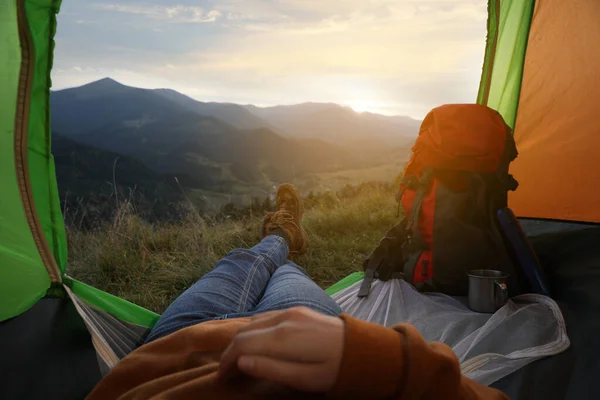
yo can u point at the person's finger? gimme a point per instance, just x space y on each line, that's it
273 318
310 377
267 342
259 322
263 321
284 341
267 314
253 342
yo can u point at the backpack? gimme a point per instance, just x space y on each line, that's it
453 186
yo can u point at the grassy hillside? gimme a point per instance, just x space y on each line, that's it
336 180
242 194
150 264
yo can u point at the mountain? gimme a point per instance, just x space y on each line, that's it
111 100
235 115
90 106
78 110
91 175
338 124
217 151
77 161
203 152
164 131
280 113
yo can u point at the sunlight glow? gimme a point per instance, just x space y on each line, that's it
365 105
394 57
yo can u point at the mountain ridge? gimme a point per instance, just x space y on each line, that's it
165 131
309 119
213 147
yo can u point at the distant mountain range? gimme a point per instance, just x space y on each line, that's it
112 101
340 125
160 133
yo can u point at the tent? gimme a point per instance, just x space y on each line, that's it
58 336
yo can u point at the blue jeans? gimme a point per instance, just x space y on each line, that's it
245 283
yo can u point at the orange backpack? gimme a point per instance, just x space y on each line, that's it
453 186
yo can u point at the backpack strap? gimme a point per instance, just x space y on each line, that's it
415 209
383 263
416 245
386 260
365 287
508 182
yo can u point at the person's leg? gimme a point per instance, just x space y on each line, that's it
238 281
290 286
234 286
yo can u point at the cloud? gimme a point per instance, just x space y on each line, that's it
176 13
394 56
396 42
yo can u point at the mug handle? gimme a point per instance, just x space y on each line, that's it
500 294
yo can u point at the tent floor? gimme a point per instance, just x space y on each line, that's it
47 353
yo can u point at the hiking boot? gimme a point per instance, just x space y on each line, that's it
287 218
289 199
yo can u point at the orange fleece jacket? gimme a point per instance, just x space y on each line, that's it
377 363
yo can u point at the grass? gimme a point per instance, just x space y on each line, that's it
319 182
242 193
151 264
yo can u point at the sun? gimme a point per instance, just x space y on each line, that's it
364 105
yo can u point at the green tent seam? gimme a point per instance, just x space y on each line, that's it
22 143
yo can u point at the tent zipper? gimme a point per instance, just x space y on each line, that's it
21 144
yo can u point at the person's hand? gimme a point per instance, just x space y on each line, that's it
298 347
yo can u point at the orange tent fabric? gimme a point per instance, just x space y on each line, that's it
557 129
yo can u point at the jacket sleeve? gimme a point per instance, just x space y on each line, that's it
397 363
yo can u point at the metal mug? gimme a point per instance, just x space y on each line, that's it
487 290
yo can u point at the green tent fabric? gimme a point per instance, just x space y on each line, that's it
33 254
24 278
508 32
41 17
118 307
34 290
344 283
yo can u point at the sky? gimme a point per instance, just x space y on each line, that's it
394 57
